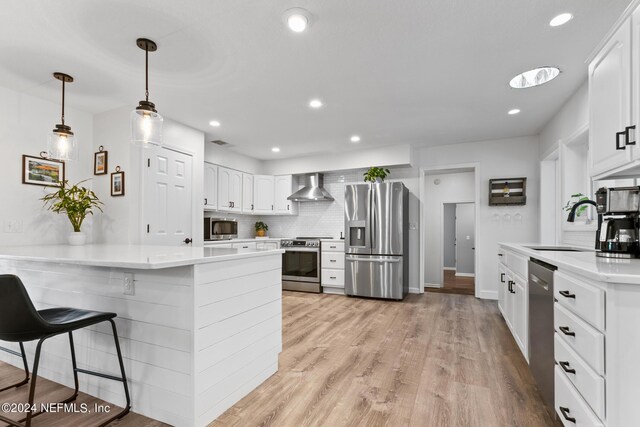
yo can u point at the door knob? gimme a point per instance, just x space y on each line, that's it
188 240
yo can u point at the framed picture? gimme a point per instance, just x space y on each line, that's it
100 162
41 171
117 183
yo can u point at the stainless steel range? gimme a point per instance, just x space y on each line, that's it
301 264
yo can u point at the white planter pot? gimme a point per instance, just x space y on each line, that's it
77 238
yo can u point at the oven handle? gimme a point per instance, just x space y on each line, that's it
373 259
300 249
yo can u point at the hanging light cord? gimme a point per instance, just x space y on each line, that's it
146 74
62 118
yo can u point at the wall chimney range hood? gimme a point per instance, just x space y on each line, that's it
313 190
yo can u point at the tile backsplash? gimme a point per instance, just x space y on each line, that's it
313 219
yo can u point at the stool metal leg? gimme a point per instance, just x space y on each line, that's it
24 362
74 364
32 387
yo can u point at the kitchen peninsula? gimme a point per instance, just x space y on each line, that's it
199 327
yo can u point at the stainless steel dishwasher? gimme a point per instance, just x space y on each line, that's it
541 357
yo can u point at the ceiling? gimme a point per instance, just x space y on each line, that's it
412 72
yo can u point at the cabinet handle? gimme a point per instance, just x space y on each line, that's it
332 277
565 414
630 135
565 330
501 277
287 207
566 367
271 207
205 201
619 136
511 283
252 207
499 254
567 294
332 260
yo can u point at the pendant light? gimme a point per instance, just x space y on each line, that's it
146 123
62 143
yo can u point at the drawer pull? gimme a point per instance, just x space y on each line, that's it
567 368
501 277
567 294
333 247
565 414
332 277
333 260
565 330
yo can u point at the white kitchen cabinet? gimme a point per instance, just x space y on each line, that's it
610 102
229 190
263 194
332 266
210 186
267 245
502 288
513 298
283 189
520 313
247 193
245 246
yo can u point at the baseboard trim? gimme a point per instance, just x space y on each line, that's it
414 291
488 295
432 285
449 268
465 274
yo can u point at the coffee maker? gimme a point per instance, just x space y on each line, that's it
619 223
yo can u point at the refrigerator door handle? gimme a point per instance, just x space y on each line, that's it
371 259
373 217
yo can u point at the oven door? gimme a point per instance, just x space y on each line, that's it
301 265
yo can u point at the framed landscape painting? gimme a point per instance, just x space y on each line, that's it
39 171
117 183
100 163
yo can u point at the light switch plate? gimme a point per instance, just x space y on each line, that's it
128 284
13 226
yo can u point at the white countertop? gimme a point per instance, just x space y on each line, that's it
253 239
586 264
332 240
128 256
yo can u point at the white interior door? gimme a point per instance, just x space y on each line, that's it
465 239
167 197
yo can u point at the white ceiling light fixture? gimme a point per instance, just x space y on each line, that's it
315 103
561 19
355 138
297 19
146 123
536 77
275 149
513 111
214 123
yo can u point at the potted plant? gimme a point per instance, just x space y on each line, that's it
575 198
75 201
375 174
261 229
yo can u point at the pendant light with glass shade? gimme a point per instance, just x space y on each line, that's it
146 123
62 143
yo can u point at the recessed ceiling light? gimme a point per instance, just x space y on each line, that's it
514 111
214 123
275 149
315 103
561 19
297 19
355 138
535 77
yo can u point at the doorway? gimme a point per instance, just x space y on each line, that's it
458 228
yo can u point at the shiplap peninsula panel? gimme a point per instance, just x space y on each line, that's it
195 338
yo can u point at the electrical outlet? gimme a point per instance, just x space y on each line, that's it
13 226
413 226
128 284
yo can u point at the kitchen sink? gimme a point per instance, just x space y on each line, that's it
558 249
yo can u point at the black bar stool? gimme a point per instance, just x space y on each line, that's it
20 322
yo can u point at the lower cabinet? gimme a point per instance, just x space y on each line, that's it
513 303
267 245
332 267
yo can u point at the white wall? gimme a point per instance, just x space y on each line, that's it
25 123
397 155
512 157
450 188
573 115
225 156
121 221
449 235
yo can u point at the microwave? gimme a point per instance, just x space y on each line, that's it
220 229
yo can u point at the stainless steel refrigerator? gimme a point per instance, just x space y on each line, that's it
376 240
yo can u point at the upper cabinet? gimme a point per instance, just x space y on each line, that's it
247 193
229 190
614 103
610 102
283 189
263 194
210 186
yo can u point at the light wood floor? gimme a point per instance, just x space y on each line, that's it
431 360
452 284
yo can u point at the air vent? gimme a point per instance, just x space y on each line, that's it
220 142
